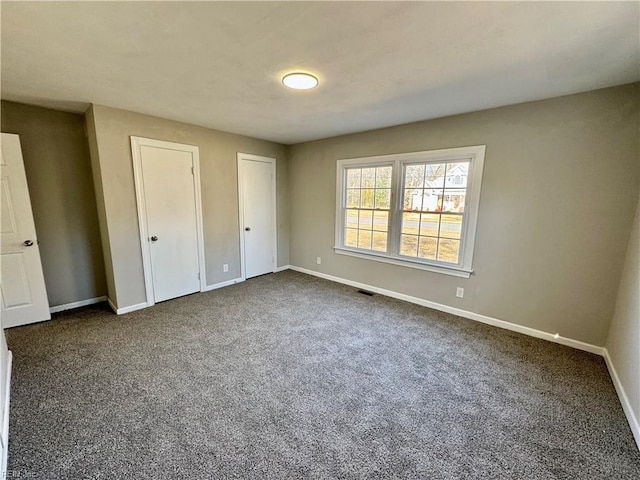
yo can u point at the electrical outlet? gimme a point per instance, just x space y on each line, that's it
319 260
225 267
460 292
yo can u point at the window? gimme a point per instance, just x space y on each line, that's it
414 209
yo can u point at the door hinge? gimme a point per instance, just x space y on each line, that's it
198 275
192 172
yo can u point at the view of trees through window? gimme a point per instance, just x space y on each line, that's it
368 201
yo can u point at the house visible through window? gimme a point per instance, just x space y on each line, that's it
417 209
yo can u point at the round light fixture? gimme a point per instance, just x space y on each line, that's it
300 81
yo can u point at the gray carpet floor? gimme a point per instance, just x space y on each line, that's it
288 376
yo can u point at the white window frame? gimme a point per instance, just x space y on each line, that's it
464 268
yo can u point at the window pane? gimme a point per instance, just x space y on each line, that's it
383 198
429 223
409 245
368 177
448 250
457 174
380 241
353 178
381 221
413 199
351 219
383 177
451 226
367 198
351 237
353 198
427 248
434 175
367 189
366 219
453 200
414 176
410 223
364 239
432 200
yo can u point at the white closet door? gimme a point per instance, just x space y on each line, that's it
169 212
256 180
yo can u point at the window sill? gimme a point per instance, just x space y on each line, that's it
453 271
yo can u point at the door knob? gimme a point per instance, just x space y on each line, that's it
154 239
247 229
28 243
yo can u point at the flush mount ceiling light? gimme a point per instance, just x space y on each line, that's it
300 80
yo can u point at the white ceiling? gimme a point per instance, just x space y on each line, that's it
219 64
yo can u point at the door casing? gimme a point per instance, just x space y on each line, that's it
136 144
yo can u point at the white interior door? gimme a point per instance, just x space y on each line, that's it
256 187
24 296
171 230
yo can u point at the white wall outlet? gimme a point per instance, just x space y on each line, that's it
319 260
460 292
225 267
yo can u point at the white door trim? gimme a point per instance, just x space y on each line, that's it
136 144
272 161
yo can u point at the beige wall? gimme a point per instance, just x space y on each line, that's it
102 215
218 173
560 186
58 168
623 343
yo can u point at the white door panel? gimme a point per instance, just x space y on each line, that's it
15 293
23 293
257 191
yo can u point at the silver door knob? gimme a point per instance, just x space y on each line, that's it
247 229
28 243
154 239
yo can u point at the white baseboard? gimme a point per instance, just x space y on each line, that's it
140 306
624 400
282 268
113 307
5 410
215 286
81 303
130 308
532 332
